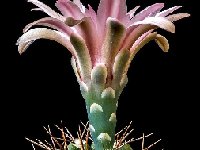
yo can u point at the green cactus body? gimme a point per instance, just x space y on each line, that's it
101 103
101 113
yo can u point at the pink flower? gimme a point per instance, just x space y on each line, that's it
111 37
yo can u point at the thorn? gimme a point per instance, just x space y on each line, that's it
70 135
79 137
143 141
125 134
33 146
86 140
153 144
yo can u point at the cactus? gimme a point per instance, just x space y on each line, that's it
102 45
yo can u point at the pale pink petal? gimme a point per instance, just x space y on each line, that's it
103 13
140 39
111 8
178 16
80 5
69 9
91 13
148 11
137 29
133 33
43 33
127 19
162 42
160 22
132 12
47 9
52 23
122 15
118 9
168 11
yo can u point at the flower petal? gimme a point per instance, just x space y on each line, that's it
118 9
80 5
138 44
168 11
91 13
47 9
103 13
122 15
52 23
119 66
123 84
111 8
43 33
178 16
138 28
69 9
140 39
132 12
75 68
161 22
162 42
144 40
36 9
22 47
148 11
115 33
133 33
87 29
83 57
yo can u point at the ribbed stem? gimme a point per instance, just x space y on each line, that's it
101 109
101 103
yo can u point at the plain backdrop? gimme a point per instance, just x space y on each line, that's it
40 88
